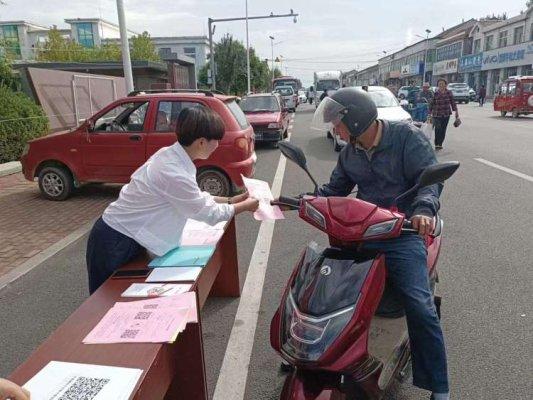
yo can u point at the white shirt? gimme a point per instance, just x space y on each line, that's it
162 194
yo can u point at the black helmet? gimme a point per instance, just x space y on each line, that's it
354 107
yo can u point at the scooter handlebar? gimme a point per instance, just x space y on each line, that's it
290 203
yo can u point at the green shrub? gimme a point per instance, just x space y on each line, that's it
20 120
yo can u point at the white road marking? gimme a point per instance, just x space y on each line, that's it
231 383
505 169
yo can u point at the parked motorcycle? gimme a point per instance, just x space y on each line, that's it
339 326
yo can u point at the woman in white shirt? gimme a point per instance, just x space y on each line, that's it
153 207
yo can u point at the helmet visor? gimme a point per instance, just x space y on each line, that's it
328 114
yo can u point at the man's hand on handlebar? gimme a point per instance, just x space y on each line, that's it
423 224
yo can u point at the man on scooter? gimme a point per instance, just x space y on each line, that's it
385 159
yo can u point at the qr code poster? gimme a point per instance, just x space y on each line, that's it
71 381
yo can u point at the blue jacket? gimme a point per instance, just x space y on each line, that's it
394 167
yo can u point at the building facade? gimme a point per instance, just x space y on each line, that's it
500 49
368 76
196 47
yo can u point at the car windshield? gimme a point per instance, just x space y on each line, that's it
458 86
527 87
383 98
331 84
285 91
259 103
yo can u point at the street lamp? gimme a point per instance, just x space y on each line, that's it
272 47
210 21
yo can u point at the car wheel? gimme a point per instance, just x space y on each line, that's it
503 113
214 182
401 97
56 183
328 134
468 101
515 113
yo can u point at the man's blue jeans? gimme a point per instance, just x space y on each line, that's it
406 259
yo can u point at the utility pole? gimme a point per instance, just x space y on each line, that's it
425 56
247 52
210 22
272 46
126 60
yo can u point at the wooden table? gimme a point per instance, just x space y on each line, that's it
170 371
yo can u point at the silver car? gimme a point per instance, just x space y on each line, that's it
388 109
289 97
460 91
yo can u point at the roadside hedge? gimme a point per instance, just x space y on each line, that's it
20 120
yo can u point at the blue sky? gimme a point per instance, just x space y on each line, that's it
332 34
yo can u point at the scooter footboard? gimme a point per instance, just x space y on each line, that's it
308 385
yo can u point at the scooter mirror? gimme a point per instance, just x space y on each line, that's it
296 155
293 153
438 173
431 175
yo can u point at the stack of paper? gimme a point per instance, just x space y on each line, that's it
61 380
174 274
188 256
155 289
261 191
196 233
157 320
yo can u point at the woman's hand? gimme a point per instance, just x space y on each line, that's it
9 390
239 197
249 204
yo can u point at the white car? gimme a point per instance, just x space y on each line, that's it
460 92
289 97
389 109
302 98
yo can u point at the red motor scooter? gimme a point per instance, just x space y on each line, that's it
339 326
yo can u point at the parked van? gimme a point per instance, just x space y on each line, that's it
515 96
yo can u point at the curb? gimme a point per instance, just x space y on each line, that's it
79 234
10 168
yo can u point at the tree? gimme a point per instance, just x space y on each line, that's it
529 3
59 49
142 48
231 76
7 78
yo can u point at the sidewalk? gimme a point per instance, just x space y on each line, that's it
30 224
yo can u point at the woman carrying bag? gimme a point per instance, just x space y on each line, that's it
440 109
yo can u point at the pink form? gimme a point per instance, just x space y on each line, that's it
156 320
261 191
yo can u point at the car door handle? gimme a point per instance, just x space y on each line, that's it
136 138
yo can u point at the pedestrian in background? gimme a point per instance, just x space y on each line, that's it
425 95
482 94
440 110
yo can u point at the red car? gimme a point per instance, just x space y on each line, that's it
515 96
112 144
268 115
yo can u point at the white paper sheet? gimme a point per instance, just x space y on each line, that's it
67 381
174 274
155 289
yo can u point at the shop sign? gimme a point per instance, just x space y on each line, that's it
445 67
511 56
471 63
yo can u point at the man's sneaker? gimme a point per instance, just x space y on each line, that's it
438 147
440 396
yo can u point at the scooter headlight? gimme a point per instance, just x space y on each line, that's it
306 337
315 215
380 229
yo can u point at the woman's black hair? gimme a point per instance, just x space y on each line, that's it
198 122
442 79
